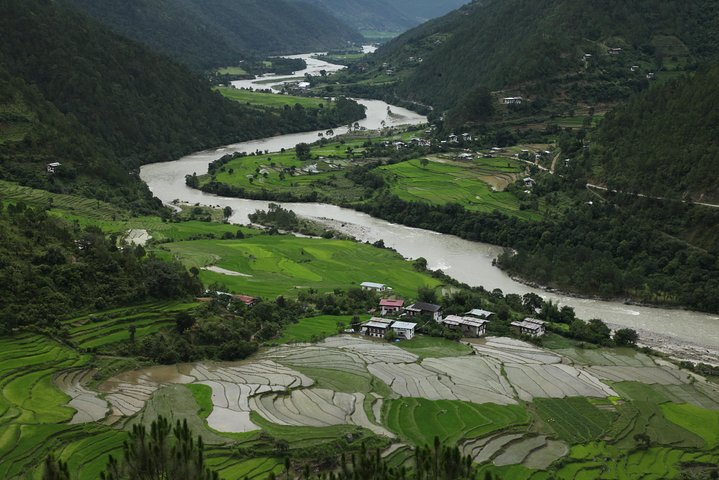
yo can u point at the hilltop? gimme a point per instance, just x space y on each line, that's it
561 51
222 32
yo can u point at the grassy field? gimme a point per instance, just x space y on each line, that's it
466 183
574 419
704 423
231 71
280 265
270 99
418 421
311 328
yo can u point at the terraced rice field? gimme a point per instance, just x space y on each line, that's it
418 421
101 330
316 396
575 420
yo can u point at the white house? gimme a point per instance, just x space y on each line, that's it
529 326
404 329
479 313
53 167
379 287
512 100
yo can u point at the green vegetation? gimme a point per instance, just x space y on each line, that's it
313 328
418 420
270 99
575 420
282 265
526 48
206 35
704 423
661 143
477 186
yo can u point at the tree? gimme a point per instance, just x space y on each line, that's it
55 469
132 329
183 322
227 212
626 337
163 453
390 336
426 294
303 151
424 162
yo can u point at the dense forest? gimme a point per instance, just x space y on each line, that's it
222 32
664 142
537 49
51 269
385 15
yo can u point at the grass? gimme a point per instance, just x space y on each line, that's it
574 419
203 396
274 100
102 330
281 265
418 421
434 347
468 184
314 328
702 422
231 71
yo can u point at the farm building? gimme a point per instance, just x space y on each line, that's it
379 287
512 100
53 167
389 306
470 326
422 308
246 299
479 313
529 182
404 329
529 326
375 327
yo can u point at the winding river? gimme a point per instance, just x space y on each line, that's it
683 334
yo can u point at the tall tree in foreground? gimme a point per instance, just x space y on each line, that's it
163 453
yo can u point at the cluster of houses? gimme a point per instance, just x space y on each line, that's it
470 324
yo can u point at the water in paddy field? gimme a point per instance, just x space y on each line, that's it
684 334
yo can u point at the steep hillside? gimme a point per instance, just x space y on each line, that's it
664 143
556 49
76 93
221 32
387 15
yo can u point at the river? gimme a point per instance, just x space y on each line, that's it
683 334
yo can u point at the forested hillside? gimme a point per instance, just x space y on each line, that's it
221 32
50 269
76 93
386 15
664 142
577 51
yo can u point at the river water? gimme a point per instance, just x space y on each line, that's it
684 334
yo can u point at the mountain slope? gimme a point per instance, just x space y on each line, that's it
386 15
221 32
664 143
74 92
537 48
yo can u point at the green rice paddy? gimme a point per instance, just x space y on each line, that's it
418 420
